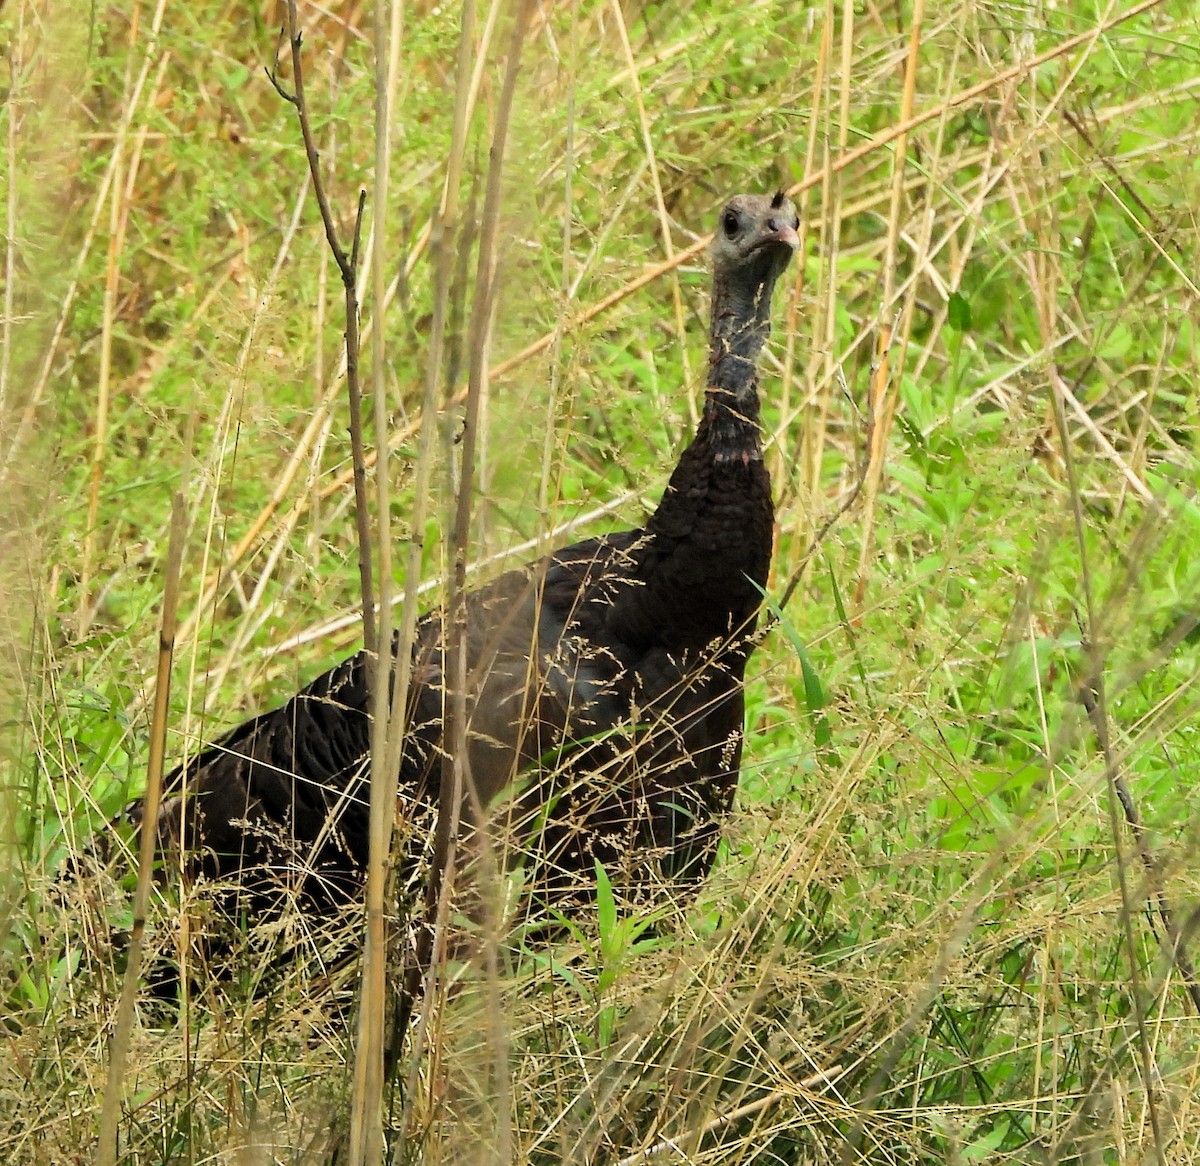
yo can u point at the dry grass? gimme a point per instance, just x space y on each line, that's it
931 935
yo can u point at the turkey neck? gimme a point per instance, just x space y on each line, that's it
740 326
708 545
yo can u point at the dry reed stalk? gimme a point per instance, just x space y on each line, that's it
664 220
555 395
457 782
921 247
881 400
442 239
116 243
799 283
110 1113
15 60
388 705
479 60
442 236
831 198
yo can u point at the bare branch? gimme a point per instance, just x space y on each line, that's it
348 267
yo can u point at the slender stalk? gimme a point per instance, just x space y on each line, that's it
880 401
110 1112
387 726
362 512
808 437
549 472
456 776
442 258
112 274
831 191
664 220
348 268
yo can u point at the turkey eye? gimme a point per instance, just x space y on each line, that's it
730 223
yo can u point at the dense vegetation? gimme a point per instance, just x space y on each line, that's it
933 935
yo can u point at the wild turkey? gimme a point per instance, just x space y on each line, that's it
609 672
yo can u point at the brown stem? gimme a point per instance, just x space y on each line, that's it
119 1049
362 517
348 269
456 783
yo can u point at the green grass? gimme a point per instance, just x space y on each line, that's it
917 942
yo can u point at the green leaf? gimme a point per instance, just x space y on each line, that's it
983 1149
847 626
958 312
606 904
814 692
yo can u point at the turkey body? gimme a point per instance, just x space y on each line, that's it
604 700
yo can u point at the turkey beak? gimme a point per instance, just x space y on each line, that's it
784 236
781 235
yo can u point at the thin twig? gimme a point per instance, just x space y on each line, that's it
362 515
348 269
